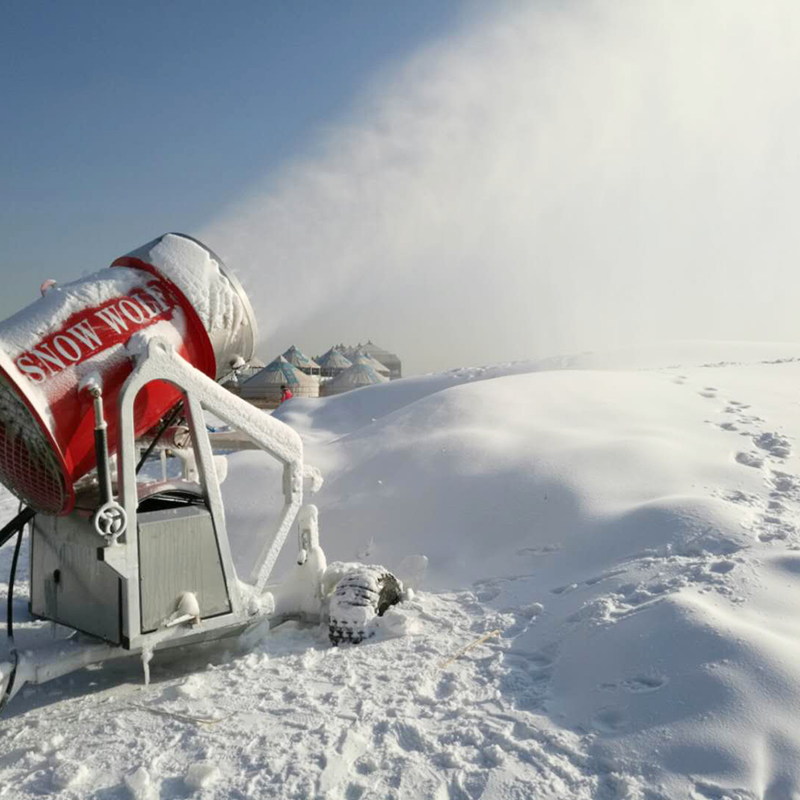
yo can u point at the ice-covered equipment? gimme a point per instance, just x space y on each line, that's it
127 361
173 287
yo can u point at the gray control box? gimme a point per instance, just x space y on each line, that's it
178 553
69 583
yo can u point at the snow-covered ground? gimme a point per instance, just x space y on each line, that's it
628 524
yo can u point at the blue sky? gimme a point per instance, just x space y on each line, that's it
124 120
461 182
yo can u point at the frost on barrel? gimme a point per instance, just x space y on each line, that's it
71 332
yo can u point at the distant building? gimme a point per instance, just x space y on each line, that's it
359 375
333 363
308 377
361 357
297 358
264 388
386 358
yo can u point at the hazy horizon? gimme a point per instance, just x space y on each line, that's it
462 183
546 179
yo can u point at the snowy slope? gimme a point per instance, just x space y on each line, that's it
628 522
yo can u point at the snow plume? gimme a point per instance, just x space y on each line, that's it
552 177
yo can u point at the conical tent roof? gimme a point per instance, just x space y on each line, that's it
373 350
333 359
386 357
298 358
278 372
363 358
360 374
350 352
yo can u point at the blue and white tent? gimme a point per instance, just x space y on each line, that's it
297 358
355 377
265 386
333 363
389 360
362 357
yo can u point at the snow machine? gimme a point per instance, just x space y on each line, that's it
98 376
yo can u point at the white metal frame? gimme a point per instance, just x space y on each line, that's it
157 360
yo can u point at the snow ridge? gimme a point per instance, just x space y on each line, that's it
634 536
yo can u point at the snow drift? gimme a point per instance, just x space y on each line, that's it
630 534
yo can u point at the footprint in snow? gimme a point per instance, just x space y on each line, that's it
639 685
722 567
713 791
785 485
774 443
487 593
644 683
541 550
610 720
749 419
743 498
750 459
604 576
775 530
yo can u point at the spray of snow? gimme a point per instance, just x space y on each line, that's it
553 177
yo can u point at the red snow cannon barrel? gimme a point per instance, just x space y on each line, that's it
173 287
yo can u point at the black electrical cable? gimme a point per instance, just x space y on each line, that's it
16 524
11 577
164 425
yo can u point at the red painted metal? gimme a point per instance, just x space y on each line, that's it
46 422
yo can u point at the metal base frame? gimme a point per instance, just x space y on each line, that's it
157 360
